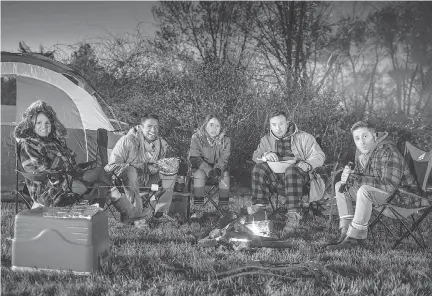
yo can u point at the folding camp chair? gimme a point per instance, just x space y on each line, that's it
21 189
211 192
420 164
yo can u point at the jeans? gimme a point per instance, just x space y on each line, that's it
356 222
100 182
130 178
201 175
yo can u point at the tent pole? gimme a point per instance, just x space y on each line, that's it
16 175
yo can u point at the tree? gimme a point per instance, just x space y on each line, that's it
24 48
287 34
207 30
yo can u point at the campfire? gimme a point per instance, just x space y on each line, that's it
239 231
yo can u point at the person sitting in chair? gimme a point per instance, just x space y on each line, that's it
379 169
284 140
134 160
208 154
43 150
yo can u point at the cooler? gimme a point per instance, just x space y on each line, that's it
64 239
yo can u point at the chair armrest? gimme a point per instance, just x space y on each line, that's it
402 191
40 177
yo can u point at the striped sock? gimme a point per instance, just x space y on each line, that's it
198 201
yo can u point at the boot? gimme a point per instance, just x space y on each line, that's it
128 213
292 222
343 227
342 236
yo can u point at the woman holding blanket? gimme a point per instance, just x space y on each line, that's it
208 154
43 150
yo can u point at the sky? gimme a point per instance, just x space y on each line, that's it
56 24
50 23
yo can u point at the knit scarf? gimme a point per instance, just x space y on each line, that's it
205 137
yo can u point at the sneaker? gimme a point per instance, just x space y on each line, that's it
292 222
163 217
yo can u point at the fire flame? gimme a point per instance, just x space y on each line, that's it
238 240
254 228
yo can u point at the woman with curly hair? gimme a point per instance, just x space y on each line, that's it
43 149
208 154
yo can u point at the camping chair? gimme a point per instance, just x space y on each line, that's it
211 191
21 189
152 193
420 163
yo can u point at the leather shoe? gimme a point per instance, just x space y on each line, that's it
347 243
341 238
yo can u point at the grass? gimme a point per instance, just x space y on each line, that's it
165 260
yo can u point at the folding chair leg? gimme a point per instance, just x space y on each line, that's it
109 206
414 228
27 203
377 220
147 201
330 214
209 195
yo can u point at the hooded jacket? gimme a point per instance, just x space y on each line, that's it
385 168
131 150
303 146
216 153
39 154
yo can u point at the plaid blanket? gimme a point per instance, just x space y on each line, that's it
290 185
39 155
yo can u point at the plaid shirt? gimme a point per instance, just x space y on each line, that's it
283 147
38 155
385 170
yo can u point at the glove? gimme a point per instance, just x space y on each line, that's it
218 172
213 173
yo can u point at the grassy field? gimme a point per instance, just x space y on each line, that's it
166 260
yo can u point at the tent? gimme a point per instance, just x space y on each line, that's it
72 97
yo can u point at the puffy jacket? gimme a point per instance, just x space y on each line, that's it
216 154
130 150
303 145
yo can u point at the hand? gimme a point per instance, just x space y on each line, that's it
345 173
271 156
304 166
218 172
153 168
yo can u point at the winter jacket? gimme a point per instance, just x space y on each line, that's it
38 155
385 168
303 146
130 149
215 152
